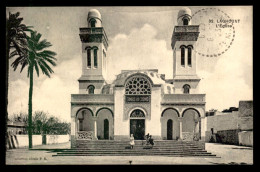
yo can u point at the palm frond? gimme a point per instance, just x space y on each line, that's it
37 37
43 44
36 68
36 57
45 65
53 63
44 70
13 53
28 72
49 54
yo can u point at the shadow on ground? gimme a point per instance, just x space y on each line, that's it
230 163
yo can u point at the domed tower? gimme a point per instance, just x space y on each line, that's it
94 18
184 40
94 49
184 17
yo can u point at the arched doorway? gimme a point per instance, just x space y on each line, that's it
85 120
137 124
105 124
169 129
191 125
170 124
106 129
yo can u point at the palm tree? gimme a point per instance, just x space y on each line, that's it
39 59
16 44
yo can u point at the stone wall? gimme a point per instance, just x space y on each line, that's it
54 139
208 136
227 137
222 121
18 141
245 115
245 138
245 109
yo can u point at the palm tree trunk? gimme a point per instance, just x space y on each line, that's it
6 87
30 107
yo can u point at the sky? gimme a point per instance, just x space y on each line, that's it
139 38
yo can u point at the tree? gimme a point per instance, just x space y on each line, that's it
39 122
39 59
22 117
16 44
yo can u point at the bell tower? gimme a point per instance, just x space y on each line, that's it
94 49
183 44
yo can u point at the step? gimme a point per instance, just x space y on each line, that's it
121 148
129 144
171 155
138 148
137 151
100 142
132 150
206 156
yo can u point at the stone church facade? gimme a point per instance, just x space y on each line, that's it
138 101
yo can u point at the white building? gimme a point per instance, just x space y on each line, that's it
138 101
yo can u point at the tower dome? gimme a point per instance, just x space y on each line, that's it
94 18
93 13
184 11
184 17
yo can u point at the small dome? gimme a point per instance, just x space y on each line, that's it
152 75
93 13
184 11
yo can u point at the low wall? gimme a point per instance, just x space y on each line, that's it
53 139
190 136
18 141
245 138
23 140
227 137
208 136
187 136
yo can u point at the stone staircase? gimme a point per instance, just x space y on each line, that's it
122 148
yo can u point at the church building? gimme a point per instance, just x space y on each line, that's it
138 101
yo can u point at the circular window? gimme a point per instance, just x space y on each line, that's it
137 85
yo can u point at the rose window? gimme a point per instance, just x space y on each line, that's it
137 85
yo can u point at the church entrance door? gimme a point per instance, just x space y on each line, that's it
137 128
169 129
106 129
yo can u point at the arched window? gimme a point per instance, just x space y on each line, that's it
189 55
95 58
93 23
81 118
89 58
185 22
186 89
80 125
91 89
137 114
138 85
182 55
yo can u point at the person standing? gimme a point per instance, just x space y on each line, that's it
151 140
147 138
132 141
